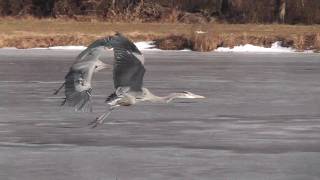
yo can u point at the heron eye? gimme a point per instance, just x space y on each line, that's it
96 67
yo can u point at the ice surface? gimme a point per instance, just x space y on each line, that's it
260 119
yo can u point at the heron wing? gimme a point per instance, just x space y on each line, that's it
97 45
78 83
128 68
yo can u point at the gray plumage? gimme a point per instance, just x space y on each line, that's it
78 80
128 73
128 67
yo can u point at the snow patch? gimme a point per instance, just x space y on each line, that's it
63 48
200 32
144 45
68 47
187 50
275 48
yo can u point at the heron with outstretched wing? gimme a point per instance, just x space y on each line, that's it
78 80
128 73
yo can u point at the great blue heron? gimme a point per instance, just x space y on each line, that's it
128 72
78 80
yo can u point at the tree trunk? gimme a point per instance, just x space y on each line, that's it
224 6
5 8
113 4
219 7
302 3
282 11
276 10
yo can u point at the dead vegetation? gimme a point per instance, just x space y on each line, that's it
174 42
29 33
230 35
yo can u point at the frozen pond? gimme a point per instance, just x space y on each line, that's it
260 120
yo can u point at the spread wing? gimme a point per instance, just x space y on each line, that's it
78 90
128 68
78 81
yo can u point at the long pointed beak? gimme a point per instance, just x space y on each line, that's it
199 97
103 66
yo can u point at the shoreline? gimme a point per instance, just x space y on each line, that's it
44 33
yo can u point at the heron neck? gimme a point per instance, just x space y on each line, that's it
97 52
165 99
173 96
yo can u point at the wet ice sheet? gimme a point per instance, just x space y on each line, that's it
260 120
76 163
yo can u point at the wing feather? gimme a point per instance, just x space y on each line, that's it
78 90
128 69
78 81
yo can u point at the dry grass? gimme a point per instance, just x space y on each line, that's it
228 35
30 32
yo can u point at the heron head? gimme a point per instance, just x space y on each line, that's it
189 95
104 42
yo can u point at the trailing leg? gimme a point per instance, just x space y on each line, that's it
58 90
102 118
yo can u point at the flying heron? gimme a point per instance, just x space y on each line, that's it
128 73
78 80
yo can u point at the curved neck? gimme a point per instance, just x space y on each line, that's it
96 52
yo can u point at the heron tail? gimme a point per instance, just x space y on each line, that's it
111 97
81 101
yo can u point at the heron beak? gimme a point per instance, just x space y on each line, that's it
198 96
102 66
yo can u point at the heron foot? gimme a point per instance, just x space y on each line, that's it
96 122
99 120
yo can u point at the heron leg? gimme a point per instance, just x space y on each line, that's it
101 118
58 90
63 102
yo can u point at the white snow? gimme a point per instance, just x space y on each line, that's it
68 48
146 45
275 48
186 50
63 48
143 45
200 32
